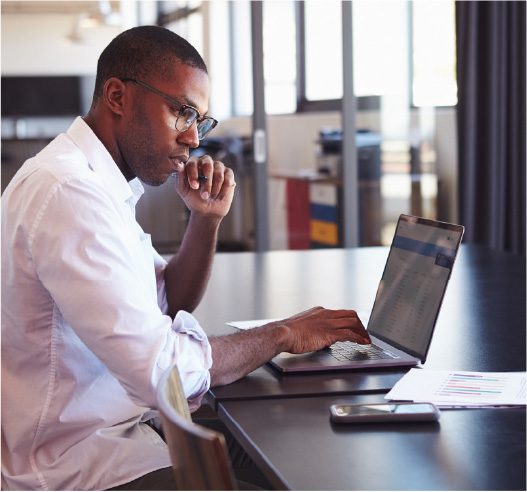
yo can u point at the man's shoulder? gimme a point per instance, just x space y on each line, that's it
60 161
61 157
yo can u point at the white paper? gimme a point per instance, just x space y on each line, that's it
461 388
247 325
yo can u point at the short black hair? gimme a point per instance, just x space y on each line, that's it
142 51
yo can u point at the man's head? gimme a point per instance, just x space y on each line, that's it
147 77
144 51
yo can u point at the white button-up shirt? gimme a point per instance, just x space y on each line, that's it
85 335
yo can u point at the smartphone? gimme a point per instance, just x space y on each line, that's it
385 412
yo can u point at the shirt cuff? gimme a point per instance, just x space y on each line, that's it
194 357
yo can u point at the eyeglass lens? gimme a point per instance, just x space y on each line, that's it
205 127
186 119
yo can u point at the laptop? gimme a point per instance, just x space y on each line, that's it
406 306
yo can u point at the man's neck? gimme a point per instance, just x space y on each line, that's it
104 132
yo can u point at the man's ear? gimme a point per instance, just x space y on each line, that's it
114 95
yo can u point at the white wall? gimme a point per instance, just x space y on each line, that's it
38 45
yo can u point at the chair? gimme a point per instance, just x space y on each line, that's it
199 456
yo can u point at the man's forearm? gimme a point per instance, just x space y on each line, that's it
234 356
188 272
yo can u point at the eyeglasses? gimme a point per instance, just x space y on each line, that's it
187 115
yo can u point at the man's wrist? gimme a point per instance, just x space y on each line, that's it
204 220
280 333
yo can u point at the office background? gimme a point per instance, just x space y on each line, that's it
434 92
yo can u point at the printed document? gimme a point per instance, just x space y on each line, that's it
461 388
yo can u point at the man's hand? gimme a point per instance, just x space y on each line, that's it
206 186
238 354
318 328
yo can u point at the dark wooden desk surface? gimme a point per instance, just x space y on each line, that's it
298 448
283 422
481 325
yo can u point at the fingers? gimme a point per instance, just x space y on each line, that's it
228 184
353 330
318 327
349 320
209 176
196 167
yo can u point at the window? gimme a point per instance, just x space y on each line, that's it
184 18
402 48
241 55
188 18
380 47
323 50
434 54
399 48
279 40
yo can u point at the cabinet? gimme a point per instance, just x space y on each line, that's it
314 211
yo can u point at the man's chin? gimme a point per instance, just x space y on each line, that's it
154 180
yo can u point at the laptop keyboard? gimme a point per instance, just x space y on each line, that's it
343 351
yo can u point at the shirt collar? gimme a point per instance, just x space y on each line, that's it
103 164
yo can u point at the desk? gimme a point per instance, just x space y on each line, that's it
298 448
283 421
481 326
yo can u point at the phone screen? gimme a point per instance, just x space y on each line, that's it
349 410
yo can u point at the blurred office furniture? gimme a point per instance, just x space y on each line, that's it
416 206
314 200
409 182
15 152
41 96
368 146
35 109
237 228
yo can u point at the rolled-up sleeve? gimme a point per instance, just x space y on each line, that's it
189 347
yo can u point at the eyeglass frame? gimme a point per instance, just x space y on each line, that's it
181 107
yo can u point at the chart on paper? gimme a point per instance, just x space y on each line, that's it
461 388
473 385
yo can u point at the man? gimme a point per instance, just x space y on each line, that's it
91 314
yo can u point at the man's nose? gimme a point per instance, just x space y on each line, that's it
190 136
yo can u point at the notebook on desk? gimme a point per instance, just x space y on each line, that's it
406 306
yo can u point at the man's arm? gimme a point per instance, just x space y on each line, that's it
234 356
209 200
188 272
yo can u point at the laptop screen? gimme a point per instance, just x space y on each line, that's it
414 282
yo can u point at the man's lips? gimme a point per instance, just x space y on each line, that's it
179 159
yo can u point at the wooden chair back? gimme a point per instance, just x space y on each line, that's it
199 455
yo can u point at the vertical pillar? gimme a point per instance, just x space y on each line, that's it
260 176
350 175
